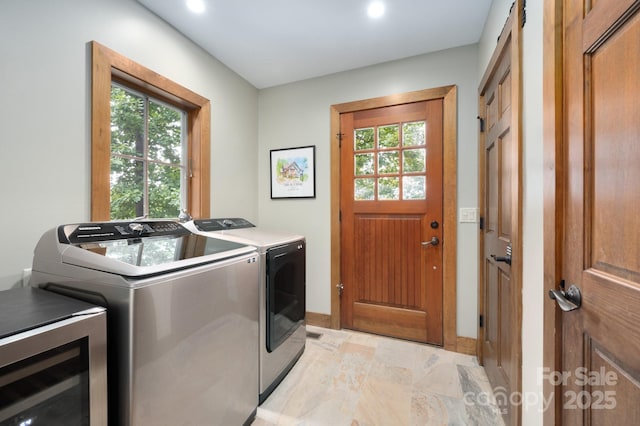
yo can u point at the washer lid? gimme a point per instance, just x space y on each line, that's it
260 237
242 231
154 249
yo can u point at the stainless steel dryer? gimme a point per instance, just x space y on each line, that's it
182 320
282 293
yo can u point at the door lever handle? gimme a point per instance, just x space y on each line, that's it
506 259
433 242
567 301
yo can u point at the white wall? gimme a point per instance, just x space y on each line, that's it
533 253
532 284
493 26
45 113
298 114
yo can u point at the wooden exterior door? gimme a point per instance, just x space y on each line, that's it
500 297
391 209
597 200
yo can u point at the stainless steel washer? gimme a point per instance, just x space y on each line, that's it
182 317
282 293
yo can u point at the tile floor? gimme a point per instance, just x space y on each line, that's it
352 378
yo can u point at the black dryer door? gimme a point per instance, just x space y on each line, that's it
285 291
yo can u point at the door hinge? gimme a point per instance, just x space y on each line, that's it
481 120
340 288
481 223
340 216
481 321
339 136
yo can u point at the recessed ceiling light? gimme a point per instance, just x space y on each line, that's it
376 9
196 6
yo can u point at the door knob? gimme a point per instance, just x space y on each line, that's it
567 301
433 242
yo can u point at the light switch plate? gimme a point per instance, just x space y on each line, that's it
468 215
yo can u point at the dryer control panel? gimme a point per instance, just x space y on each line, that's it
221 224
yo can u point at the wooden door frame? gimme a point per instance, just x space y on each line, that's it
451 341
554 180
511 31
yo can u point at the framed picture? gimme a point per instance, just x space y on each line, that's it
293 172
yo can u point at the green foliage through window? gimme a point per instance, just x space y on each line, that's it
364 138
390 162
147 156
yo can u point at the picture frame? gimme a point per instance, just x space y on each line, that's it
293 172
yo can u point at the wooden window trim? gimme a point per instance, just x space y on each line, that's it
107 66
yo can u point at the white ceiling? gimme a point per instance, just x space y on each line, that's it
273 42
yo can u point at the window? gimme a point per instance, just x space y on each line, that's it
390 162
148 152
150 143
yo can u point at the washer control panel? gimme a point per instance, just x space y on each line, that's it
104 231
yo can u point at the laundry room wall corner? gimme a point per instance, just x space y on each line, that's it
45 113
